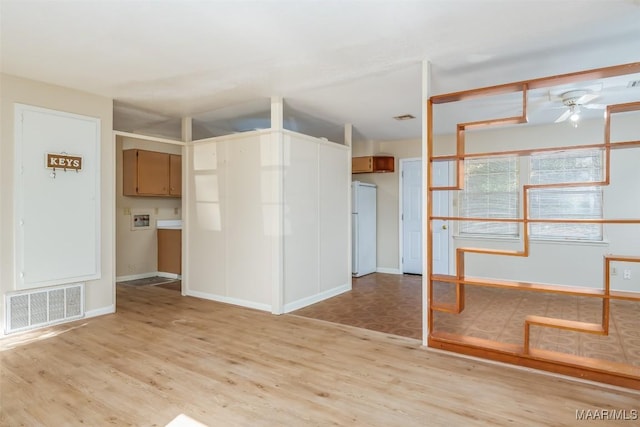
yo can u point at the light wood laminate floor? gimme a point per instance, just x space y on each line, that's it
162 355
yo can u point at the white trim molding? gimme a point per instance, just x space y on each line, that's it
316 298
230 300
135 276
147 275
110 309
388 270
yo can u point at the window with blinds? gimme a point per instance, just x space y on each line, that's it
566 203
490 191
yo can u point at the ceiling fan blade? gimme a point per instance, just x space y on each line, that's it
586 98
594 106
564 116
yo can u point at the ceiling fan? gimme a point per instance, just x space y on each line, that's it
574 101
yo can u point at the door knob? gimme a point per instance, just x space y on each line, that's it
444 226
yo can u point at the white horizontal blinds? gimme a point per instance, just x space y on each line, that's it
566 203
490 191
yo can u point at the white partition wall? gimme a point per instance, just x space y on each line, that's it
335 233
301 218
268 220
232 227
317 213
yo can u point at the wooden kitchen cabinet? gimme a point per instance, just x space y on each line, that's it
170 251
368 164
151 173
175 175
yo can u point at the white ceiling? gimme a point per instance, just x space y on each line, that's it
333 61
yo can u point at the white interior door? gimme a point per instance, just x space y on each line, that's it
441 229
411 216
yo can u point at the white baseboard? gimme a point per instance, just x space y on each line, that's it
316 298
229 300
135 276
100 311
388 270
146 275
168 275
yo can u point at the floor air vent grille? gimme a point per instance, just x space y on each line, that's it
42 307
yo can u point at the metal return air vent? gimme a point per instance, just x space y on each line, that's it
41 307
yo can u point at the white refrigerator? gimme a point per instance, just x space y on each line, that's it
363 228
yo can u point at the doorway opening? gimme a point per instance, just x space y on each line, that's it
148 242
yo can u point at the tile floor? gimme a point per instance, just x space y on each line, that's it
393 304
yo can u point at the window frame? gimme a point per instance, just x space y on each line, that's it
597 190
524 177
512 230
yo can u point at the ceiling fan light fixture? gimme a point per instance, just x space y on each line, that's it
575 115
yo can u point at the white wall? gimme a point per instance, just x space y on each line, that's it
100 293
566 263
268 219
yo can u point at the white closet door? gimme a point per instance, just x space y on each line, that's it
57 212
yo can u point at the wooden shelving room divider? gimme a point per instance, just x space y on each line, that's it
525 354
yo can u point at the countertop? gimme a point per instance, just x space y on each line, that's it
169 224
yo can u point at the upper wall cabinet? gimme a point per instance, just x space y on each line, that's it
175 175
151 173
372 164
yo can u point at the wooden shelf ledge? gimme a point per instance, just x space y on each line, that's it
569 325
625 295
618 374
526 286
622 258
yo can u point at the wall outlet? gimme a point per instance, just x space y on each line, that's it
156 210
127 211
626 274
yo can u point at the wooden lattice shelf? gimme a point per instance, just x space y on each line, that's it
573 365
